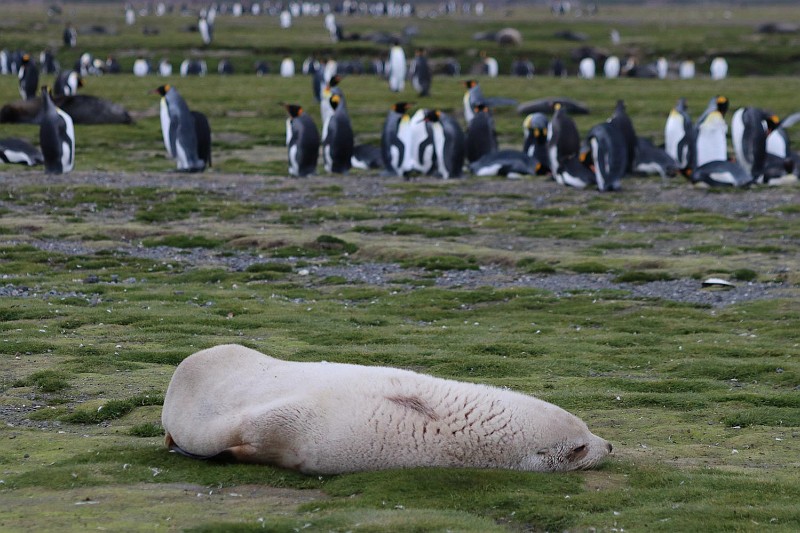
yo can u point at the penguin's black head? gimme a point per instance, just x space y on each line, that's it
772 122
722 104
469 84
162 90
294 110
527 122
26 58
481 108
335 99
586 158
335 81
401 107
433 115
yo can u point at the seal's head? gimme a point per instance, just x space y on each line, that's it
565 444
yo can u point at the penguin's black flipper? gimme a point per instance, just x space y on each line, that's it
790 121
499 101
547 106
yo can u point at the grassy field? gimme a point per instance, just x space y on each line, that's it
115 273
248 123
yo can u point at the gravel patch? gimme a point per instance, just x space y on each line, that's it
392 274
467 196
682 290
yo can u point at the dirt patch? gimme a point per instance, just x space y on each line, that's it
173 506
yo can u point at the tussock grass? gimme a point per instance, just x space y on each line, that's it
45 381
112 409
148 429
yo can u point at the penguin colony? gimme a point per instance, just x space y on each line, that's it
431 141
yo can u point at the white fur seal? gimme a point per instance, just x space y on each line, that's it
330 418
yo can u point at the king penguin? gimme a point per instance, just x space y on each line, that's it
318 84
781 159
420 155
563 140
609 155
679 137
287 67
393 149
587 68
206 30
366 157
178 129
711 133
67 83
563 146
302 141
719 68
337 138
481 134
203 130
56 137
28 78
711 161
722 173
749 138
448 144
19 151
650 159
611 67
331 88
622 122
574 173
421 73
535 128
472 97
510 163
397 67
777 143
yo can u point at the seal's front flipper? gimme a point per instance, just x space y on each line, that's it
173 447
231 455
